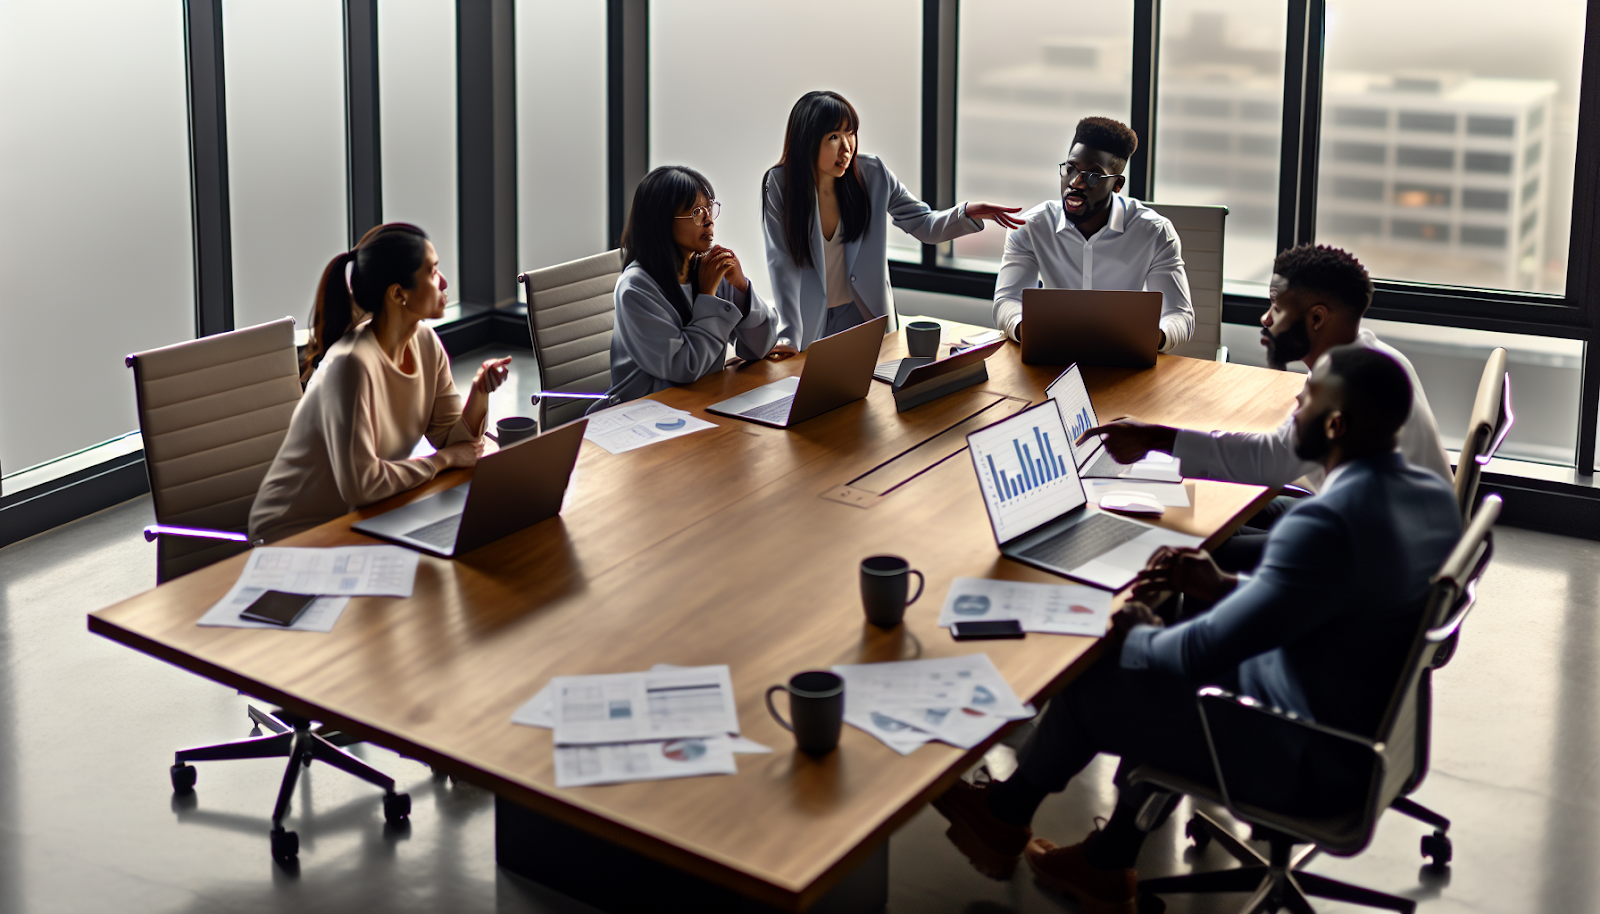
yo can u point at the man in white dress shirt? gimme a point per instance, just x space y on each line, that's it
1093 238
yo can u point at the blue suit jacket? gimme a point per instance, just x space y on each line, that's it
1323 625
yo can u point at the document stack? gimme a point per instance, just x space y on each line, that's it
956 700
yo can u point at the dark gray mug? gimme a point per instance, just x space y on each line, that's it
885 581
510 430
922 339
816 705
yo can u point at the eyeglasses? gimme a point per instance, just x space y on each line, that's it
704 215
1091 179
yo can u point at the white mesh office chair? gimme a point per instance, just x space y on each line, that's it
213 413
1201 231
571 312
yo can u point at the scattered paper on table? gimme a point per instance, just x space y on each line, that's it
640 422
320 616
960 727
582 766
655 705
346 571
745 746
538 711
957 700
1057 609
897 735
1166 494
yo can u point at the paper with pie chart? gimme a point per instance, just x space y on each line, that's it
956 700
655 760
1056 609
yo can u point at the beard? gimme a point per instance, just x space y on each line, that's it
1089 212
1291 345
1311 440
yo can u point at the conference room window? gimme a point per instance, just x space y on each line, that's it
1027 71
284 64
561 133
1408 95
1218 122
768 58
95 242
417 90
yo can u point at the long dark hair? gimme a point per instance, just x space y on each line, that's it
386 255
813 117
647 236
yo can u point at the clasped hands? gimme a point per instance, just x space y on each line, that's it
1184 570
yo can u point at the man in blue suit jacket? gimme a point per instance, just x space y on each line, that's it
1321 628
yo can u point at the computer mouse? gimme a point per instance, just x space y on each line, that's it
1131 503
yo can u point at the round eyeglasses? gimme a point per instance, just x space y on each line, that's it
1091 179
704 215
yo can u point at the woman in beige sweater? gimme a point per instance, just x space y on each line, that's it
379 381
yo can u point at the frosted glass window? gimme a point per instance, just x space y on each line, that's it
1028 71
1464 116
95 240
284 62
417 117
720 97
562 209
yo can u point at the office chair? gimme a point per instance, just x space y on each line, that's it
1397 754
1201 231
1487 428
570 316
213 413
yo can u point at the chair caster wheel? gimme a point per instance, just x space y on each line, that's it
396 807
285 844
1197 833
183 777
1437 848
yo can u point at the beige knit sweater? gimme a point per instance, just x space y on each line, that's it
351 436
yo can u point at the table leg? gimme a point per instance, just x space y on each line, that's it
613 878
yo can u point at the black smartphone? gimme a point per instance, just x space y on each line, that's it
994 628
277 608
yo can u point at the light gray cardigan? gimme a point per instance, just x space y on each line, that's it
652 348
801 293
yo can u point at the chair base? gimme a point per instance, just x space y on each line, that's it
292 738
1436 847
1275 883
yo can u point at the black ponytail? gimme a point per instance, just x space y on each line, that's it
387 255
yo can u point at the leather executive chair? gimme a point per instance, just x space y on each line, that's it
213 413
1201 232
1397 753
571 312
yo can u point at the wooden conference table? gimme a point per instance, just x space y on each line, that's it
735 545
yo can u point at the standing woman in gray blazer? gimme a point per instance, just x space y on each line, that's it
681 299
826 217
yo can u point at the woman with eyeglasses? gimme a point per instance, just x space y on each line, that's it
827 218
681 298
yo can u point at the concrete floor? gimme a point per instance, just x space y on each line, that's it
88 821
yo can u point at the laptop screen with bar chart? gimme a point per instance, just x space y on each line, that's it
1025 471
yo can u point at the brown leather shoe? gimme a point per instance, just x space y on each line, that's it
1067 870
993 846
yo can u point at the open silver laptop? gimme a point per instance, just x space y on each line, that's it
516 487
1090 327
838 370
1038 509
1071 397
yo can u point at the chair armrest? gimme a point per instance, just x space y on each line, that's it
155 530
1217 705
1294 491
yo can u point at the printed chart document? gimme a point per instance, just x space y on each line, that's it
346 571
1056 609
957 700
320 616
633 707
638 423
656 760
539 711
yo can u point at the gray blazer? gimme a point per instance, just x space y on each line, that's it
802 293
652 348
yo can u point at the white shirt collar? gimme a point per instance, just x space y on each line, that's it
1116 224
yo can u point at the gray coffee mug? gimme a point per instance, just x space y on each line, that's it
922 339
816 705
510 430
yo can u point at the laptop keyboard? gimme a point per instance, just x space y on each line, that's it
1104 465
440 533
1089 539
776 411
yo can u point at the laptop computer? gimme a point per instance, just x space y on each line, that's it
1038 509
513 488
1090 327
838 370
1071 397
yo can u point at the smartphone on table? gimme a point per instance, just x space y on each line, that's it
278 608
992 628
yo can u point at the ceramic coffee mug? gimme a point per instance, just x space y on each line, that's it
510 430
922 339
885 581
816 705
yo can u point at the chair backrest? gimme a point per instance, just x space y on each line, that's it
571 311
1201 230
212 413
1491 419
